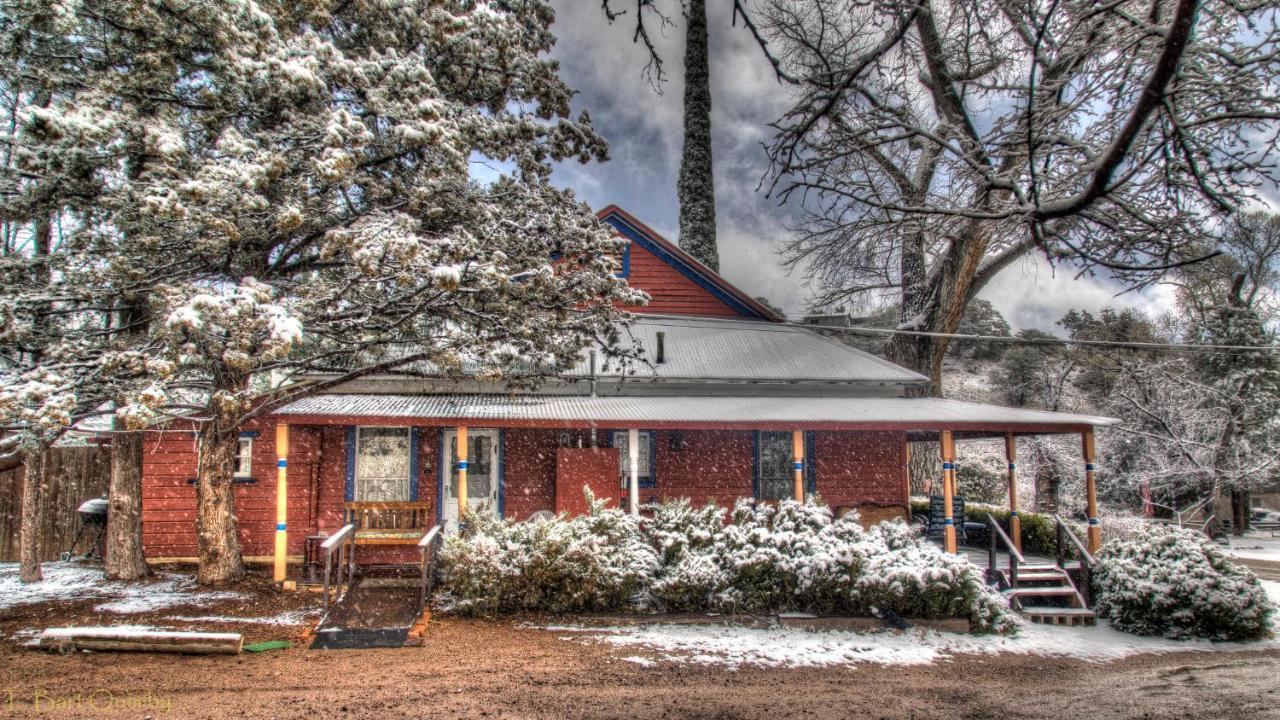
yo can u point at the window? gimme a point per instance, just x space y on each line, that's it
382 465
645 472
775 471
244 456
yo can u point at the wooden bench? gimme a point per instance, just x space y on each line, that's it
389 523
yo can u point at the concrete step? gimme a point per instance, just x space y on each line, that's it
1041 576
1061 590
1060 616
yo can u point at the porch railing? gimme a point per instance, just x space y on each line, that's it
339 545
998 535
429 546
1065 535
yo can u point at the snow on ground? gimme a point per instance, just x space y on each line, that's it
732 646
69 581
1255 546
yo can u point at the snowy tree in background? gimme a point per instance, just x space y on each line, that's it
286 189
931 145
696 188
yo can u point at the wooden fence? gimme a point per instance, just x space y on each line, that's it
76 474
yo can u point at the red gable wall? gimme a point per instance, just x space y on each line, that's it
669 290
676 283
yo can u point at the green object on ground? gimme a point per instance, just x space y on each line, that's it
268 645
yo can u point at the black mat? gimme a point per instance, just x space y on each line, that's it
360 638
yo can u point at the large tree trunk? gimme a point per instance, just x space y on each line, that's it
696 186
1048 480
33 511
124 559
217 531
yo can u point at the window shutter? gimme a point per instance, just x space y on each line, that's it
755 464
810 466
413 464
351 463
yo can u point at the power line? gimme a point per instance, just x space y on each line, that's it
1052 342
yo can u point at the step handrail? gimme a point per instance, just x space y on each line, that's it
340 543
1086 558
1015 557
428 547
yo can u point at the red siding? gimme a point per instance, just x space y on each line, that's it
853 467
670 291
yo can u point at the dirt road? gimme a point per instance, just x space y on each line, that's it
495 669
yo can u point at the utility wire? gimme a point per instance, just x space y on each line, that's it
1052 342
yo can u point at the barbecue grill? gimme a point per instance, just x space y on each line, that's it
93 521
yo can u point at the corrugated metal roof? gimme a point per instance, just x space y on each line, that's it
924 413
746 350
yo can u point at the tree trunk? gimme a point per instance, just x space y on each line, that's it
217 532
124 559
1048 480
1239 512
33 511
696 186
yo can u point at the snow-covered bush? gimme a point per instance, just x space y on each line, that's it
906 574
1174 582
594 562
685 539
768 558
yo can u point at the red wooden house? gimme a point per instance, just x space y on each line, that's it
734 402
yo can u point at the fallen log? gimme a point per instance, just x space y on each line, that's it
133 639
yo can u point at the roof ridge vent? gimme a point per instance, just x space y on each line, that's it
662 347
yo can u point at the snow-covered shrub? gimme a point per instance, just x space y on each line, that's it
910 576
594 562
766 551
685 539
1174 582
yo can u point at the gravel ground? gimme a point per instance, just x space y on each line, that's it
506 669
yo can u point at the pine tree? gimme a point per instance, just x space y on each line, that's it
696 188
286 189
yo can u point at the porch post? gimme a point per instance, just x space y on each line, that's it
282 502
797 452
462 472
1015 522
1091 491
633 463
948 489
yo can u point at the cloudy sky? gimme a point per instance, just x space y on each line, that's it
645 135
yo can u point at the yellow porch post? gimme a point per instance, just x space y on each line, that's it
1091 491
462 472
948 489
282 501
797 452
1015 522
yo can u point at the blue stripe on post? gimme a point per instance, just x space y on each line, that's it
280 527
948 521
1094 521
1013 513
1088 467
462 464
1013 466
948 466
282 463
799 464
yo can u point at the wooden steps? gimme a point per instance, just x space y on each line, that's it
1046 594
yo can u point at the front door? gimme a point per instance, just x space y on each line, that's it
482 472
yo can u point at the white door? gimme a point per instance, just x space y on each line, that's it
482 472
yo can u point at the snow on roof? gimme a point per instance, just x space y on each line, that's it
740 350
692 411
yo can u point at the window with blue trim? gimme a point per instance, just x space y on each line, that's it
647 476
242 464
382 464
774 465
